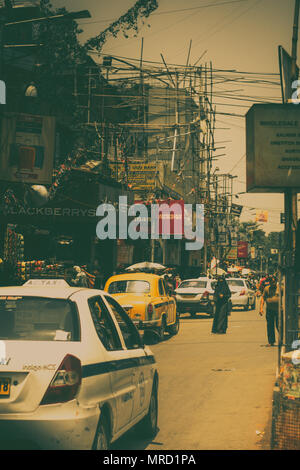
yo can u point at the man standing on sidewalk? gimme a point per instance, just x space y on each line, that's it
271 297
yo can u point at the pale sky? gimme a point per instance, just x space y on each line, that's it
239 35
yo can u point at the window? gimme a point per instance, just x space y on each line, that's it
129 286
235 283
130 334
195 284
161 289
38 319
104 324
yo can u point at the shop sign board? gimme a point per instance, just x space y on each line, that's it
273 147
140 176
28 147
242 249
124 253
232 254
170 216
261 216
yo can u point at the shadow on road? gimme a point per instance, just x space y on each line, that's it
197 316
132 441
152 338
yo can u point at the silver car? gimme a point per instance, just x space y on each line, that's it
74 373
242 295
195 295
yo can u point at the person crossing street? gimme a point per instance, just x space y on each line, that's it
270 296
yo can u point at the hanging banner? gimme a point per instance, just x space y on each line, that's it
261 216
28 146
236 209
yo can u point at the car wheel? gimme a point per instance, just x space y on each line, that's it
173 329
246 307
101 441
148 425
162 329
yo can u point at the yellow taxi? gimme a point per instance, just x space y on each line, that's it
147 301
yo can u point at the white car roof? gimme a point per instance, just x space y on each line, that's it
50 292
197 279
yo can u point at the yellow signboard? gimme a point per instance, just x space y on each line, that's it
140 176
261 216
232 254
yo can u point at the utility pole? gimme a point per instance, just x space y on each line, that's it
290 207
3 17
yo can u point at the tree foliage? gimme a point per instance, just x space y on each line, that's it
128 21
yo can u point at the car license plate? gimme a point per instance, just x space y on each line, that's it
4 387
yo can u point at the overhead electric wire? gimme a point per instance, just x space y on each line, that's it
167 12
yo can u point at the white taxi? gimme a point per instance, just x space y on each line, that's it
74 373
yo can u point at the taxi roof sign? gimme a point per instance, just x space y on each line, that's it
46 283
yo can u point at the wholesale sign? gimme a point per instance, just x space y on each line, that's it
28 145
273 147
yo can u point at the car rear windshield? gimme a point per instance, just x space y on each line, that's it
126 286
38 319
235 282
196 284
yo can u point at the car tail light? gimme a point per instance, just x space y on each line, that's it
65 383
205 294
150 310
243 292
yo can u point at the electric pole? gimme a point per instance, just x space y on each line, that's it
290 206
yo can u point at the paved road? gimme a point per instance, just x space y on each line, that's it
215 390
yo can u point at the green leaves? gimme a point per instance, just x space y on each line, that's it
128 21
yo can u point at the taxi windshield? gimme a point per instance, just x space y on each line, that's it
37 319
129 286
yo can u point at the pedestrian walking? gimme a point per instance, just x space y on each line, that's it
80 279
222 295
271 298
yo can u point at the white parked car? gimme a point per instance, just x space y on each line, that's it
74 373
242 295
196 295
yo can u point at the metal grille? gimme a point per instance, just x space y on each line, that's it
286 424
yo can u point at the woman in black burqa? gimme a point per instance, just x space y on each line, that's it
221 297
